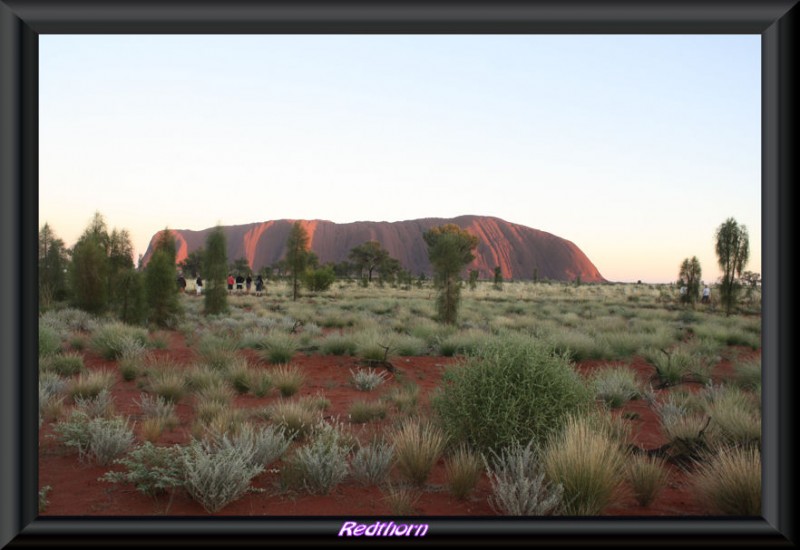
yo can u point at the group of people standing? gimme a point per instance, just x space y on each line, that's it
706 299
240 282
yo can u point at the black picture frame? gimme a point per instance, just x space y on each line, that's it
22 21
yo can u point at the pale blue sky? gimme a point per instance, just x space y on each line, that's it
635 148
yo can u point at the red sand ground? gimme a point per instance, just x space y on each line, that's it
76 490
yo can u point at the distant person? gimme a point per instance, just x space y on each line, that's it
706 295
259 285
248 283
239 283
230 283
199 285
181 283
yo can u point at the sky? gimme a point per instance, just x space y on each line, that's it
634 147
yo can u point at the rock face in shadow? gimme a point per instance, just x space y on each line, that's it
517 249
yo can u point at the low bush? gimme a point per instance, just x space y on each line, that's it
101 405
152 470
91 384
294 417
512 389
519 487
65 364
367 379
279 348
99 439
320 464
112 339
371 463
49 341
217 474
336 344
615 386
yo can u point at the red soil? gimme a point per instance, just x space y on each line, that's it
76 490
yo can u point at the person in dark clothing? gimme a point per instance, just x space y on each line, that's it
248 282
239 283
181 283
259 285
199 285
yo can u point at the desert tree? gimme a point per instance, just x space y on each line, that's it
53 262
689 277
192 265
733 251
88 270
241 267
368 256
319 279
297 255
473 279
160 277
215 262
449 250
130 294
498 278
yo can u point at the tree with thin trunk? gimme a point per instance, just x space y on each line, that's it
88 270
297 256
369 256
449 250
160 277
733 251
214 274
689 277
53 261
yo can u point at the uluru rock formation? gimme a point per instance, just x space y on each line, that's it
518 250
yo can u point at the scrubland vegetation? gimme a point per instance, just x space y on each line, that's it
530 398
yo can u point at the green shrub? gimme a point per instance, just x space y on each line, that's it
49 341
152 470
512 389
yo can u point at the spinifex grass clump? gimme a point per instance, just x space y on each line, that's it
615 386
511 389
367 379
65 364
647 475
730 481
165 378
110 340
279 348
287 379
217 352
519 486
337 344
364 411
748 374
463 469
372 462
588 463
418 445
91 384
49 341
296 418
735 416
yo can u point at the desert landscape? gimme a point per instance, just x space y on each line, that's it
344 392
